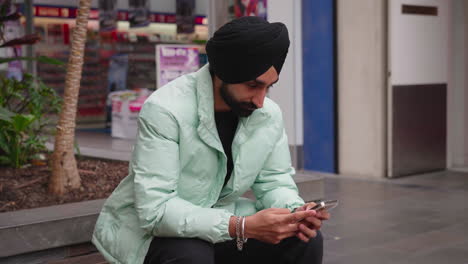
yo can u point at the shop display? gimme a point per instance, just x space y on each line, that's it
142 67
55 34
126 106
93 91
139 15
240 8
107 15
185 16
116 58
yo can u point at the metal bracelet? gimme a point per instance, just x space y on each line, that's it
244 239
239 241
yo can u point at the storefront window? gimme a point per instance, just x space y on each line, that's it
122 59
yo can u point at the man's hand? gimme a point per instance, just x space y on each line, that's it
308 226
274 224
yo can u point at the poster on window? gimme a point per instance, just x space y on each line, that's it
173 61
240 8
107 15
185 16
12 30
139 13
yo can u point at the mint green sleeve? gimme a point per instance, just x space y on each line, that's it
156 168
274 186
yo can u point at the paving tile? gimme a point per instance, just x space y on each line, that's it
370 255
419 226
440 256
329 257
417 219
429 241
350 244
354 228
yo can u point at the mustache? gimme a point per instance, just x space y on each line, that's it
246 105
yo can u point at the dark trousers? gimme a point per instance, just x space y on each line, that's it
197 251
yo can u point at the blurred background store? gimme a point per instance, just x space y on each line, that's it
371 88
120 54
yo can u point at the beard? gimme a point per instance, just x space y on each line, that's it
241 109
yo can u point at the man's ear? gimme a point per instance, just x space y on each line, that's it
217 82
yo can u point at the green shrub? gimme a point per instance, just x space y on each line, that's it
25 110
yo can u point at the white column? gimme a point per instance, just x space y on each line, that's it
362 89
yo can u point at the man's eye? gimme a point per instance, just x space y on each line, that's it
253 85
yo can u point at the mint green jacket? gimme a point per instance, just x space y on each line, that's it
177 170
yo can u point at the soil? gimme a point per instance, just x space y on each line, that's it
27 187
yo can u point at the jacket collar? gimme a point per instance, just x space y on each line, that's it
205 100
207 126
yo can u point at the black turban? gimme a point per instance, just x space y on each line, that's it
247 47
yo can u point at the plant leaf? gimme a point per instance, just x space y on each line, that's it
5 160
4 144
5 114
48 60
5 60
77 148
21 122
43 59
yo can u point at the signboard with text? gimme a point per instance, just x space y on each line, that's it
173 61
122 15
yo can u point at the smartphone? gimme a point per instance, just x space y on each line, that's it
321 205
328 205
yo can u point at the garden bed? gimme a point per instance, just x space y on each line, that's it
27 187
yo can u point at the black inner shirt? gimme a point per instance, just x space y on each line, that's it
226 123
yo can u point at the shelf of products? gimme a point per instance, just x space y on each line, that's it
93 92
112 62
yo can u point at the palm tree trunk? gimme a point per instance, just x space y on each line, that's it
64 169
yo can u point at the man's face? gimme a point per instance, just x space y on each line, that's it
244 98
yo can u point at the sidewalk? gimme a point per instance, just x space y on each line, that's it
418 219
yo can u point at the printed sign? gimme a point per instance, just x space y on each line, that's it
173 61
122 15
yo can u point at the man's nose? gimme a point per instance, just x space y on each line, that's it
259 98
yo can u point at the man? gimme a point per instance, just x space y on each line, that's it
204 139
